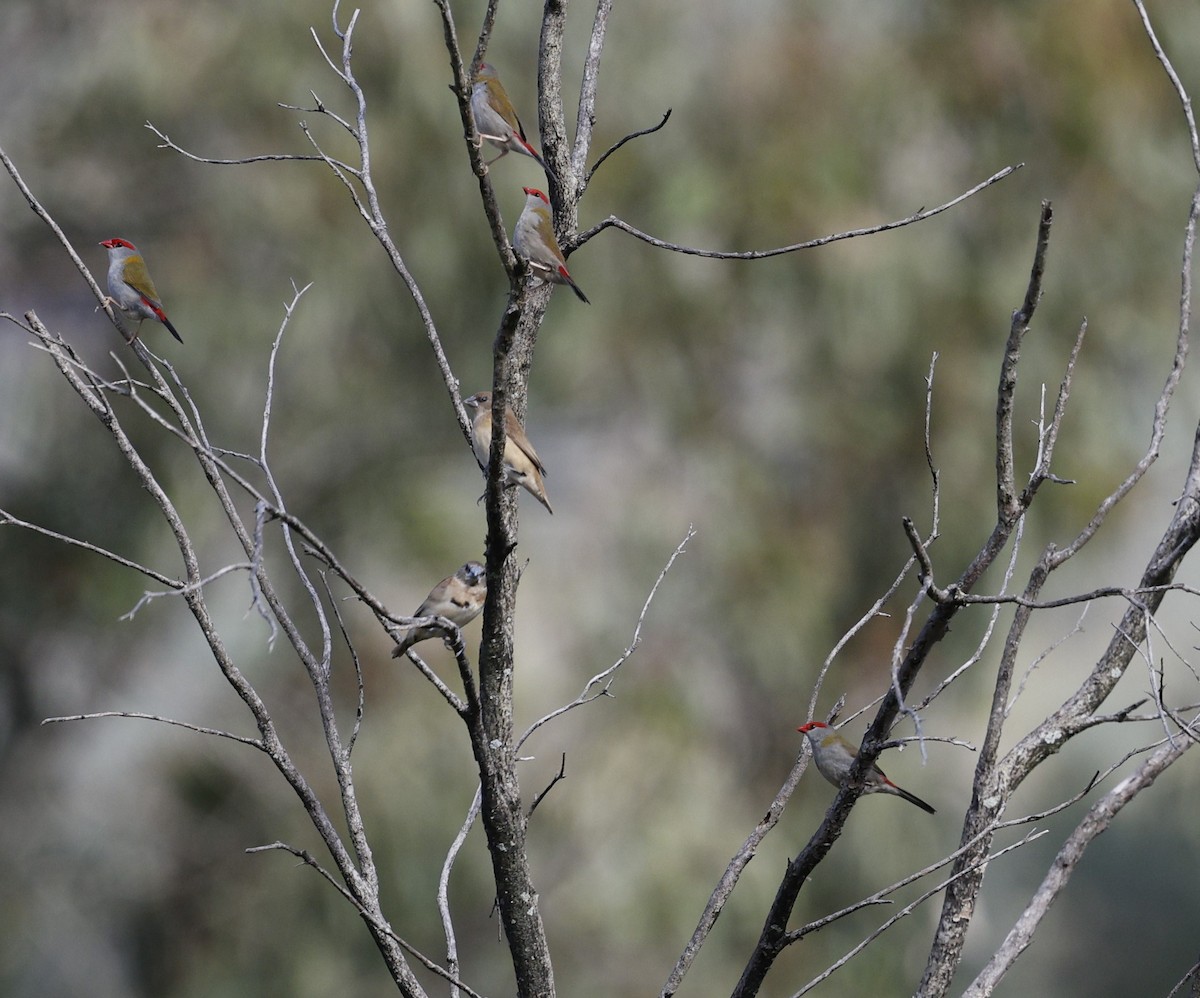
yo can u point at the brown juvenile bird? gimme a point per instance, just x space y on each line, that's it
458 597
522 466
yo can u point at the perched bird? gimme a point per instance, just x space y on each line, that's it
533 240
459 598
522 466
833 756
495 118
130 287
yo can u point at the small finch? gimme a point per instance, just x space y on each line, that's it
495 117
521 463
534 240
834 755
458 597
130 287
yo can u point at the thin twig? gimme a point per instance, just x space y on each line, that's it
139 715
560 775
908 909
167 143
7 519
443 891
382 927
1059 873
617 145
919 216
1180 91
605 679
360 705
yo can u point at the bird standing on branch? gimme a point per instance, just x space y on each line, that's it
458 597
495 117
534 240
130 287
834 755
522 466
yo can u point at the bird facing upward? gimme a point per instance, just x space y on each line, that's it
534 240
130 287
458 597
522 466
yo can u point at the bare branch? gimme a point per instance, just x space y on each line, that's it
326 660
198 728
369 916
167 143
934 475
322 108
148 596
452 698
993 619
360 705
360 874
443 892
617 145
1192 975
585 117
729 879
560 775
1054 646
1098 818
1182 93
1159 426
7 519
908 909
604 680
367 205
1048 435
919 216
1008 507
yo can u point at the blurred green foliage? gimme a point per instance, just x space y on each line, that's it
777 405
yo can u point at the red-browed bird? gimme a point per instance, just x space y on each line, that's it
833 756
534 240
495 117
130 287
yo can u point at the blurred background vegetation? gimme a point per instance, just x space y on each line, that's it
777 406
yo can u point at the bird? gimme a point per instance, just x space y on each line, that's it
522 466
130 287
458 597
496 119
834 755
533 240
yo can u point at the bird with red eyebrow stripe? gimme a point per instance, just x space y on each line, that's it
495 117
130 287
533 240
834 756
